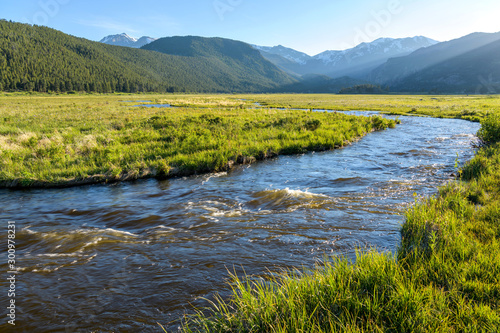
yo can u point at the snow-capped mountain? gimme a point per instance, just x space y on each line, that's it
285 52
383 47
125 40
355 62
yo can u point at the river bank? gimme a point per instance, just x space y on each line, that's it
443 277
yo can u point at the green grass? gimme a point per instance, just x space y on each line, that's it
444 277
71 140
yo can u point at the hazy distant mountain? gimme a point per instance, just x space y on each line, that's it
356 62
465 65
125 40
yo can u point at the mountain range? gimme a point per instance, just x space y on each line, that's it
37 58
418 64
467 65
356 62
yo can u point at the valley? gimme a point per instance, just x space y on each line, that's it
205 184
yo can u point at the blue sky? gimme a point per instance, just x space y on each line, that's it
310 26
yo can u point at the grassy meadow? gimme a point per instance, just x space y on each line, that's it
67 140
444 277
473 107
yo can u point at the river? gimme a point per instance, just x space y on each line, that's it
119 258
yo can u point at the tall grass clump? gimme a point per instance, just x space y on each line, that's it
490 129
444 277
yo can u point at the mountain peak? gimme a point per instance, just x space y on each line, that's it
124 39
124 34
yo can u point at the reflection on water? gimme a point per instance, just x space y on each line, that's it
121 257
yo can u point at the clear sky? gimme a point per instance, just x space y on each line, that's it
310 26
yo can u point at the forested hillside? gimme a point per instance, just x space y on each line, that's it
35 58
229 63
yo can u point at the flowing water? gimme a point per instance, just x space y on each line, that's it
119 258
